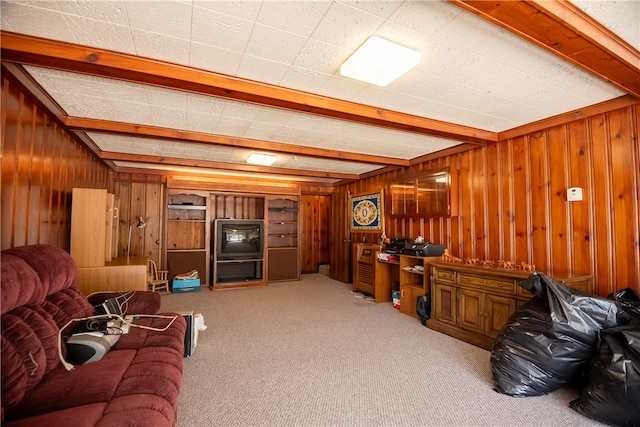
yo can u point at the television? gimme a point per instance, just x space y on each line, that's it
239 238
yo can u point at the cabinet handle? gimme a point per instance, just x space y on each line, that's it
116 212
402 293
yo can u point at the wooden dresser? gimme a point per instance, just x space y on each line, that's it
473 303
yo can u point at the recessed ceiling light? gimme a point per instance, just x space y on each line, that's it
379 62
261 159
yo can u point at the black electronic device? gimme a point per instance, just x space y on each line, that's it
396 246
238 239
88 347
423 249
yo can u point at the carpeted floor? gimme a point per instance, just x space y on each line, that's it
311 353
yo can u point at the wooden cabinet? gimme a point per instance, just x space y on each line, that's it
414 282
188 234
474 303
94 234
283 252
364 271
120 274
89 222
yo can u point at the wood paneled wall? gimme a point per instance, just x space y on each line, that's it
141 195
41 164
512 198
315 223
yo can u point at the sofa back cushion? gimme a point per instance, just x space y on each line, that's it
39 295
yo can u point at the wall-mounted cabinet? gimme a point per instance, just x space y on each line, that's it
188 234
283 252
429 194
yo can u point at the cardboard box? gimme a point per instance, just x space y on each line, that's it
188 285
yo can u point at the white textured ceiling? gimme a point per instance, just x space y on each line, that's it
472 72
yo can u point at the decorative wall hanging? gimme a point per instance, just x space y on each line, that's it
366 212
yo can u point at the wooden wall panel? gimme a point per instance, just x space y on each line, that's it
41 164
315 217
513 206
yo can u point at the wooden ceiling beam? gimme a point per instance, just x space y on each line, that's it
159 161
104 63
566 31
144 131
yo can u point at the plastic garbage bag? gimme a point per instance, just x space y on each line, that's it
551 339
612 394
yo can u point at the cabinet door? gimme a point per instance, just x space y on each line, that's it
470 310
444 303
408 300
497 310
282 264
88 221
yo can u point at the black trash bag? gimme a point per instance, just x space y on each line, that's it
423 308
550 340
612 395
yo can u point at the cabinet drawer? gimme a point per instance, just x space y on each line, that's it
487 283
444 275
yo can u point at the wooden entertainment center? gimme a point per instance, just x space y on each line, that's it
192 242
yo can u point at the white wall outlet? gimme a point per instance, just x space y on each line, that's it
574 194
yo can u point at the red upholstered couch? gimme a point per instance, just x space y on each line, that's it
136 383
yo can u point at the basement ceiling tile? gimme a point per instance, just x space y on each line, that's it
209 57
304 79
165 98
425 16
160 46
101 34
274 44
264 70
227 32
308 14
202 122
235 109
247 10
231 126
35 18
205 104
342 22
170 18
621 17
110 12
320 57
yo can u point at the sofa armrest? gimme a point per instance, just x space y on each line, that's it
132 302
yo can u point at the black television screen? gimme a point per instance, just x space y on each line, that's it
239 238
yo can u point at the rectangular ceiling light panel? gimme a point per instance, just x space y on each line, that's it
379 62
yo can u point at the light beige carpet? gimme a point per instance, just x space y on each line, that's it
310 353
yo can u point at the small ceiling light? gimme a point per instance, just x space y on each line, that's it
379 62
261 159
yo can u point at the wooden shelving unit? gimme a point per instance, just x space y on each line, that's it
188 232
414 282
283 252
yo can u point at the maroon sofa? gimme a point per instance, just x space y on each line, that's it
136 383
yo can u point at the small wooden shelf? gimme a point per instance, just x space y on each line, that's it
188 207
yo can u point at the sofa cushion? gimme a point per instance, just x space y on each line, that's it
53 265
78 416
86 384
29 350
20 284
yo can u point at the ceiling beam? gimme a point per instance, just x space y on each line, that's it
144 131
563 29
160 161
104 63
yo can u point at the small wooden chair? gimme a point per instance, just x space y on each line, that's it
157 280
